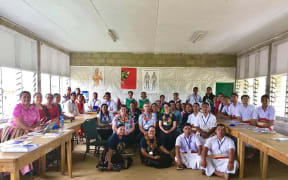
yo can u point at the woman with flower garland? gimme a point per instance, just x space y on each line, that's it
167 125
127 121
146 119
153 153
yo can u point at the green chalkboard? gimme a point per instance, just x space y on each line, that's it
225 88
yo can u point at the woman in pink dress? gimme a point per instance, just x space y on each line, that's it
26 118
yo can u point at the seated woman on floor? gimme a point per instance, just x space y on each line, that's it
153 153
104 122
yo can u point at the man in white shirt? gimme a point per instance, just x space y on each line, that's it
194 98
206 123
188 149
112 107
94 103
233 108
220 161
192 118
245 112
176 97
265 114
225 113
70 108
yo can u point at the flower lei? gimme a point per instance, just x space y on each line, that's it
152 146
122 120
169 120
149 117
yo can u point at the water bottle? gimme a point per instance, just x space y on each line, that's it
61 122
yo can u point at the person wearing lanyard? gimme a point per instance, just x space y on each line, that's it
146 119
71 109
221 160
103 122
265 114
94 104
167 125
188 149
152 152
246 111
194 98
123 118
112 107
206 123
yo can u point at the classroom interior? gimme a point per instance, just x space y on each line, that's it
236 46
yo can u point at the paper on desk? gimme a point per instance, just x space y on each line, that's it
280 139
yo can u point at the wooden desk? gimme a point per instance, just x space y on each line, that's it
13 162
263 142
77 122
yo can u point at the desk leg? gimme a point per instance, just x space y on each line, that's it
43 165
238 149
261 161
63 157
265 165
15 175
69 158
241 158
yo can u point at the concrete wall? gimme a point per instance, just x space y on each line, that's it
152 60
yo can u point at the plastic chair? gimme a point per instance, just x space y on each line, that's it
92 137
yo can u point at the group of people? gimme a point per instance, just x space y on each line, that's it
184 132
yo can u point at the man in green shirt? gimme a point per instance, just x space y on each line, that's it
143 100
129 99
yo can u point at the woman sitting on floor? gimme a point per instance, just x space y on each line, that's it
104 121
153 153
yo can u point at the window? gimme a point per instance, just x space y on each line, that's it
10 94
239 87
29 81
55 84
64 83
278 93
45 84
259 90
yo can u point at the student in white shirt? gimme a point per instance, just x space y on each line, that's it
234 106
246 111
194 98
206 123
188 149
94 103
192 118
112 107
265 114
225 113
70 108
176 97
221 160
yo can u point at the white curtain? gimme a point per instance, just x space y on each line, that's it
54 62
251 66
262 62
17 51
241 67
279 64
